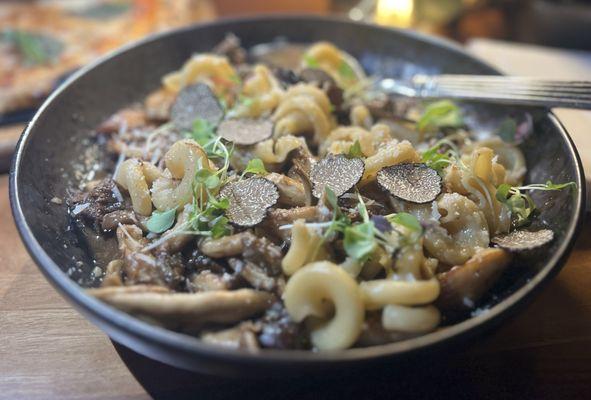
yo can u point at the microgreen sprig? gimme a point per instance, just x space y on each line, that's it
521 205
437 159
440 114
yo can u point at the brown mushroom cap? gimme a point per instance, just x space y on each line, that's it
185 310
412 182
463 285
337 172
194 102
249 200
521 240
245 131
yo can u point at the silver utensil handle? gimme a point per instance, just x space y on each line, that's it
505 90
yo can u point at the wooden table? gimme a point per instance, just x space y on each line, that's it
48 351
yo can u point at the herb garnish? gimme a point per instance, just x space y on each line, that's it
161 221
206 217
255 166
355 151
311 62
203 132
521 205
437 159
345 71
440 114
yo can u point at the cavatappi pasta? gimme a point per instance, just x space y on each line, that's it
325 220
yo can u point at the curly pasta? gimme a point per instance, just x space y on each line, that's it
479 182
135 176
182 161
391 153
306 246
360 116
381 292
342 138
462 230
263 92
317 288
410 319
304 109
508 155
341 66
211 69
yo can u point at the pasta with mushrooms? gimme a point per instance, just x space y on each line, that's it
256 207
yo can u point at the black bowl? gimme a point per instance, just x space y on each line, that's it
53 144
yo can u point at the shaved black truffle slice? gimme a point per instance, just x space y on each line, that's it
249 200
245 131
337 172
523 240
416 183
193 102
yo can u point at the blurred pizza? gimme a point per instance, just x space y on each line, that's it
42 41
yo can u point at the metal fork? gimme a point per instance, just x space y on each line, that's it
494 89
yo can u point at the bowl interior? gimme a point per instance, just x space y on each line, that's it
55 146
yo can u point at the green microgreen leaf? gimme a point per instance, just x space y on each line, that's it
220 227
440 114
521 205
255 166
355 150
359 241
408 221
161 221
345 71
437 159
203 132
310 61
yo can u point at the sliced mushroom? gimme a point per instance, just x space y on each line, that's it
463 285
113 274
260 251
130 238
278 217
188 311
113 219
128 118
104 293
206 281
226 246
158 104
292 193
255 275
241 336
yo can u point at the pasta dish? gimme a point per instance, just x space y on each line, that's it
257 206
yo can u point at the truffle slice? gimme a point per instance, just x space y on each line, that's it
245 131
193 102
523 240
416 183
337 172
249 200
